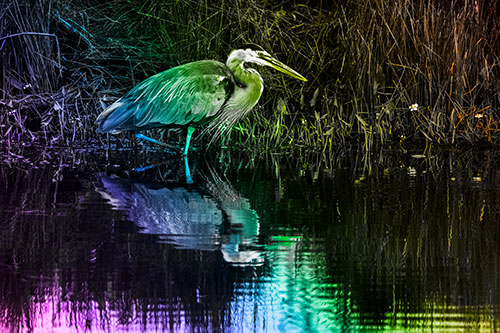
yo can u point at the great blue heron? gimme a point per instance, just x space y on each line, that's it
194 94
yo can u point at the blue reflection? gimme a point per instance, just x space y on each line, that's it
212 216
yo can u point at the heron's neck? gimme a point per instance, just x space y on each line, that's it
245 77
250 88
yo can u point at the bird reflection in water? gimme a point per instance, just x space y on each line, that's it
209 216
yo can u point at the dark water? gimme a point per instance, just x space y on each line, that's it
256 244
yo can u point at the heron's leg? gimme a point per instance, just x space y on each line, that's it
144 168
147 138
143 137
189 180
188 139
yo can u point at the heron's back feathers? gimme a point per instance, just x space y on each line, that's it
186 95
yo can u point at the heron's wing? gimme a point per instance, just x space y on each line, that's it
186 94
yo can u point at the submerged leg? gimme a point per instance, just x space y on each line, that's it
188 139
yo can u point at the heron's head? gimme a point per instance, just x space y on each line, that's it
255 54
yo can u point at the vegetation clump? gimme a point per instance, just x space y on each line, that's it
380 72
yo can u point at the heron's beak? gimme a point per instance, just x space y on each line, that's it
278 65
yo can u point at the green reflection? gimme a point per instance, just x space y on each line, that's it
403 251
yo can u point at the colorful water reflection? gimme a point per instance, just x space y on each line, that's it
250 250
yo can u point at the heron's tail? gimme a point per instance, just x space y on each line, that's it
113 118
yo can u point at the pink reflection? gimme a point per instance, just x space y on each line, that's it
56 315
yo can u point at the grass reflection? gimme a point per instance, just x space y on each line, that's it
401 251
